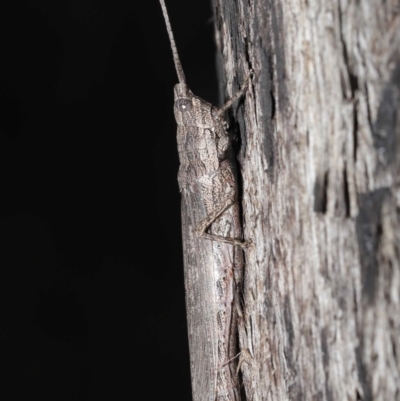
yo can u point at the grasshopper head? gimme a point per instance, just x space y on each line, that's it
189 109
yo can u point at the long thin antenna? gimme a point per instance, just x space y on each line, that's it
177 61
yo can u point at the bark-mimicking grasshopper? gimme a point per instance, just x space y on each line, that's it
211 230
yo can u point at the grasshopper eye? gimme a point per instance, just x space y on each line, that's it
184 105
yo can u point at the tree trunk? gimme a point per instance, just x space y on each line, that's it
319 165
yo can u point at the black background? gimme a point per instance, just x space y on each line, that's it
91 262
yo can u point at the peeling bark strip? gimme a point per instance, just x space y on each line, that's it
320 166
211 231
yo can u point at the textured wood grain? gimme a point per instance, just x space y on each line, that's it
320 182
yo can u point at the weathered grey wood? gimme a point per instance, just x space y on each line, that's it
319 163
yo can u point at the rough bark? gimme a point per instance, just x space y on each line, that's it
319 164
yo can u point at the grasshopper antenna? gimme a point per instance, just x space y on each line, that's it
177 61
